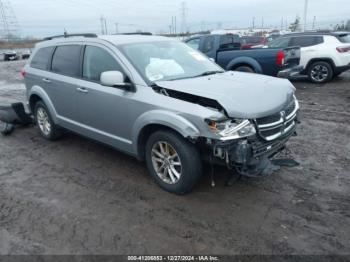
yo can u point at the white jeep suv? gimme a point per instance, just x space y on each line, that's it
322 55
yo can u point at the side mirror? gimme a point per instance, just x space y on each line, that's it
114 79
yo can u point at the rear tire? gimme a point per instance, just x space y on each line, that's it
185 168
47 128
320 72
246 69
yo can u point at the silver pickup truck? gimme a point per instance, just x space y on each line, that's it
161 101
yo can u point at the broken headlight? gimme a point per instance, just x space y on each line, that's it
231 129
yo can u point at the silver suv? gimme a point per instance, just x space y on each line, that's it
161 101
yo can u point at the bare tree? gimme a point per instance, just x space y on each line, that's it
295 26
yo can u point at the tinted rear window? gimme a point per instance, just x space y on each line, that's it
251 40
208 44
229 41
281 42
66 60
344 38
304 41
41 58
194 43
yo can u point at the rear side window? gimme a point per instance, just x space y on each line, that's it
208 44
97 61
194 43
345 38
42 58
66 60
281 42
229 41
251 40
305 41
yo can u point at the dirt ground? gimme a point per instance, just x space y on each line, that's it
75 196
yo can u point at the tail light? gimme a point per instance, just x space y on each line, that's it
280 58
23 73
343 49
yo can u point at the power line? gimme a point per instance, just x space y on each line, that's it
184 17
314 23
106 26
305 15
102 25
9 27
116 28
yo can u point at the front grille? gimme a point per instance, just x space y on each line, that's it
269 147
268 119
278 124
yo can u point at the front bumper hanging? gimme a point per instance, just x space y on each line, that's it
11 115
252 157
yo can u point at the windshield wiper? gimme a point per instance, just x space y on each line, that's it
202 74
207 73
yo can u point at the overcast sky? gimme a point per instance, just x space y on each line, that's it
47 17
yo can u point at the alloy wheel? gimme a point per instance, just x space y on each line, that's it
319 73
43 121
166 162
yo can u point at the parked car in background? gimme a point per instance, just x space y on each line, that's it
250 41
10 55
273 36
161 101
26 53
209 43
226 51
323 55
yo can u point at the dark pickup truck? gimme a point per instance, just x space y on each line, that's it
226 51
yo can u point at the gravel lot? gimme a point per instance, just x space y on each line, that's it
75 196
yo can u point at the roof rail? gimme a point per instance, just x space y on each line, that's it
69 35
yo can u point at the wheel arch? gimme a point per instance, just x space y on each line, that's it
38 94
33 99
153 121
320 59
244 61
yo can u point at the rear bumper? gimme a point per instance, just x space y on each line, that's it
341 69
290 72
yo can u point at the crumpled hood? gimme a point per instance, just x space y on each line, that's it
242 95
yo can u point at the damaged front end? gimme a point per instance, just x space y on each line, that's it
249 145
244 145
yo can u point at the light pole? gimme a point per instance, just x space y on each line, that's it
305 15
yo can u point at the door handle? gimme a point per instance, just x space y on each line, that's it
46 80
82 90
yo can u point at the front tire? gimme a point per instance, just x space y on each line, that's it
320 72
173 162
47 128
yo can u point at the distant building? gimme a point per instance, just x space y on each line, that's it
250 31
